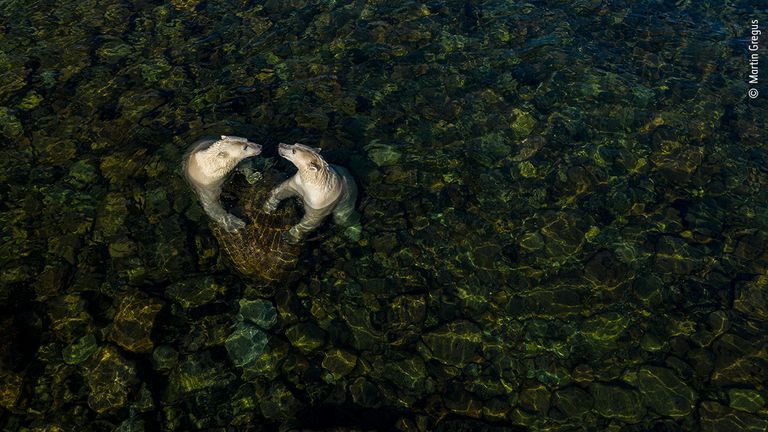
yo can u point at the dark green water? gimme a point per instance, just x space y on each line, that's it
564 204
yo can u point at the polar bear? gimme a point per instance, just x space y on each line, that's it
323 188
207 165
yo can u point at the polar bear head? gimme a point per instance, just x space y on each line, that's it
233 147
213 160
307 159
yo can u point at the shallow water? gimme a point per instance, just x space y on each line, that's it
564 209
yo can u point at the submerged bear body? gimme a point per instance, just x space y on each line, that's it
208 164
324 189
254 245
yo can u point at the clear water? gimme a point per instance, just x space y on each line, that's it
564 208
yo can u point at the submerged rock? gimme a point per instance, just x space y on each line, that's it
535 399
716 418
664 392
10 126
572 402
364 393
752 298
259 251
82 174
405 318
306 336
69 317
603 329
339 362
739 361
110 378
195 292
455 344
382 154
246 344
746 400
606 272
279 403
260 312
617 402
194 373
267 365
490 150
409 375
463 403
80 350
134 321
558 238
364 336
165 357
523 124
10 389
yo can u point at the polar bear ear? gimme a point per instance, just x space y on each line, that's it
313 166
223 137
317 149
222 155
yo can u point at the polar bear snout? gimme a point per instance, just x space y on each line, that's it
299 154
252 149
233 144
286 150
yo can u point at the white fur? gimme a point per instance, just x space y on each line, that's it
214 163
207 166
324 189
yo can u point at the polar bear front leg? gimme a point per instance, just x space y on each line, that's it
231 223
209 199
311 220
281 192
228 221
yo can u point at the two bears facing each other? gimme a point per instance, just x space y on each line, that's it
324 188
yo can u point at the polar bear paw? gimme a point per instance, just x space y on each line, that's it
269 206
231 223
353 232
291 237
